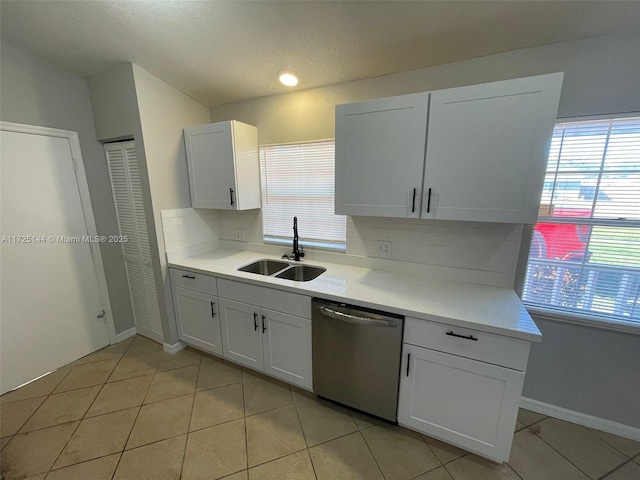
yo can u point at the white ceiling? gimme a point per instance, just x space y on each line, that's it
223 52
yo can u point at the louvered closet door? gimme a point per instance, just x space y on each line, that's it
127 195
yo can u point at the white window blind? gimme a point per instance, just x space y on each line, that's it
298 180
585 250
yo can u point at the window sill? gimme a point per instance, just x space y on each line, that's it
311 245
586 320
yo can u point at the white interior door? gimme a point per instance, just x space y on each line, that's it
50 293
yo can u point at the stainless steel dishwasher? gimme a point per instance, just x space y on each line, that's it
356 356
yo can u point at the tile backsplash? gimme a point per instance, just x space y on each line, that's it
249 221
474 252
189 231
490 247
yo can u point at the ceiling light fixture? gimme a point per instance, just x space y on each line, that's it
288 78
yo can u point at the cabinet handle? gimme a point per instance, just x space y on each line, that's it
408 362
264 328
213 314
429 201
255 321
413 202
466 337
231 195
192 277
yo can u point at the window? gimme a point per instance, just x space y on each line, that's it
585 251
298 180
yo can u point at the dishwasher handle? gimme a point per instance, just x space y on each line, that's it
355 319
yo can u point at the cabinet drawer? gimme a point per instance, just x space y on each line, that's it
193 281
487 347
292 303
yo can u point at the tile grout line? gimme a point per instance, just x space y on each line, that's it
280 456
555 449
276 458
137 415
514 470
172 397
244 421
372 455
27 420
47 396
186 440
428 471
611 444
431 450
70 421
466 453
603 477
81 418
87 386
304 435
65 423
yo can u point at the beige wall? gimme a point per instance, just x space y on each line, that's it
601 76
164 113
114 103
36 92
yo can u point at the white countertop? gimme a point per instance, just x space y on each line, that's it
480 307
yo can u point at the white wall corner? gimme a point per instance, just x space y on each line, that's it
173 349
597 423
126 334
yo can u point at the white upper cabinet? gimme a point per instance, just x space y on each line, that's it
380 156
224 169
487 148
474 153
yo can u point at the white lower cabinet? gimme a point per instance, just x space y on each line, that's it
197 319
267 340
286 341
258 327
460 400
241 333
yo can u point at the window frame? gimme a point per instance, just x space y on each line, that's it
590 319
313 244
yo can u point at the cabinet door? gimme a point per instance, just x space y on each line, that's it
197 319
241 333
380 156
464 402
210 158
487 150
286 342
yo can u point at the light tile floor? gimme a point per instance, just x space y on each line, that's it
132 412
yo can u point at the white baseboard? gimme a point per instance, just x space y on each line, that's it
173 349
602 424
126 334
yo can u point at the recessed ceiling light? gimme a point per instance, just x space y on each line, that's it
288 78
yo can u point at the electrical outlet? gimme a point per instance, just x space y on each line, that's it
383 247
240 235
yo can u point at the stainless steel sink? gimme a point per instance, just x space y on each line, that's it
264 267
301 273
274 268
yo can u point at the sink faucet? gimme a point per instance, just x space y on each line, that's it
297 253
